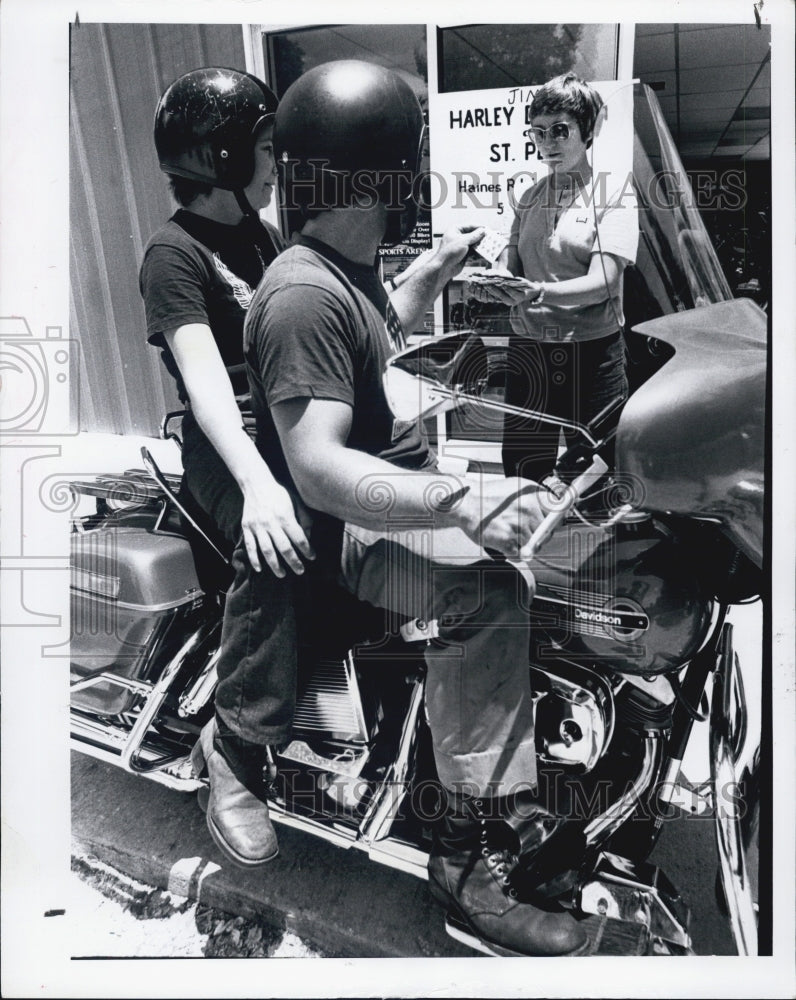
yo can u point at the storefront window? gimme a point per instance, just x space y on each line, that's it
401 47
482 56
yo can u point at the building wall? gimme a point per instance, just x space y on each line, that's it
119 198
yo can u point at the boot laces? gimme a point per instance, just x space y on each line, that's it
501 863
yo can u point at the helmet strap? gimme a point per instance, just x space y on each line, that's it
255 228
243 202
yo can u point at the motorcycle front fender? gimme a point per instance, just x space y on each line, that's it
733 813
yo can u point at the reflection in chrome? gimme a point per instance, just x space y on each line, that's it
600 828
727 724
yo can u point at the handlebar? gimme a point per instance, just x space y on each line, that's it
572 494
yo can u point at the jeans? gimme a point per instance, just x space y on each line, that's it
570 380
478 695
256 691
211 485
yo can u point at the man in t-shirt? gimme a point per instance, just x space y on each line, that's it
399 533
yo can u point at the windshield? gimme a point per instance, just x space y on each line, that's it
677 267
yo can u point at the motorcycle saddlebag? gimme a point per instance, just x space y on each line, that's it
132 590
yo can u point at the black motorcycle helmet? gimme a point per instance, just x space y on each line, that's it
351 127
206 123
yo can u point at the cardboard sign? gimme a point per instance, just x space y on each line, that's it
481 160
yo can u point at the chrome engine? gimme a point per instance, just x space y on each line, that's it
573 711
574 715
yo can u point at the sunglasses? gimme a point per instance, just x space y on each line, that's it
558 132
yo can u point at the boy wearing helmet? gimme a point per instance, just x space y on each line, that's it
213 135
401 534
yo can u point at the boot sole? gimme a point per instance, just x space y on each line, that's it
459 931
457 927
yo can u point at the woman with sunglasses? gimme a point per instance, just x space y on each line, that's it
571 240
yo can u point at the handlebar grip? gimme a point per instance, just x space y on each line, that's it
573 493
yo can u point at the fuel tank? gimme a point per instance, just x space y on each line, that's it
692 438
628 598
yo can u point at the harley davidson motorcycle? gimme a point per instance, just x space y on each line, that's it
636 573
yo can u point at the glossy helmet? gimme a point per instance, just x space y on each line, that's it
351 127
206 123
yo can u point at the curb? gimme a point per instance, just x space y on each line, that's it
338 901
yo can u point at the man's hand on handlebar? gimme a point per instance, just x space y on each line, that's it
502 514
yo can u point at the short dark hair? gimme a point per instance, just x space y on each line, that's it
572 96
186 191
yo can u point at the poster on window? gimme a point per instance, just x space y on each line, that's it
396 258
483 157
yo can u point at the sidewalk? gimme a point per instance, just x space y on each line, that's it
336 900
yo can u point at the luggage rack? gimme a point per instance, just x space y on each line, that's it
134 486
142 486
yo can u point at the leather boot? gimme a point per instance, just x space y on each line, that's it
471 872
548 848
237 819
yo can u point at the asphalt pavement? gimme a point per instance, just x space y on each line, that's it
337 901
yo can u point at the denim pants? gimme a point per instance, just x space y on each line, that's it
211 485
478 695
573 381
256 691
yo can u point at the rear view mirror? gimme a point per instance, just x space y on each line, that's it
423 381
447 372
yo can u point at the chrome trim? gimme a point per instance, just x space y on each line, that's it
97 741
601 827
331 703
728 719
621 890
190 596
100 584
591 704
404 857
389 852
131 752
339 837
107 677
669 779
202 689
391 792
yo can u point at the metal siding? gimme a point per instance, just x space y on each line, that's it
119 197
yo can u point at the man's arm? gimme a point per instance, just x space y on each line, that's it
268 521
420 284
362 489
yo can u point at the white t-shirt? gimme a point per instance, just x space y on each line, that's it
551 251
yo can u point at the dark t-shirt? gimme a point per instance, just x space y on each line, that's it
316 329
196 270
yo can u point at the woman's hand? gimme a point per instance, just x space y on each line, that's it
274 528
488 287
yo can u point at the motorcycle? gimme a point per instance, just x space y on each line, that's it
636 571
